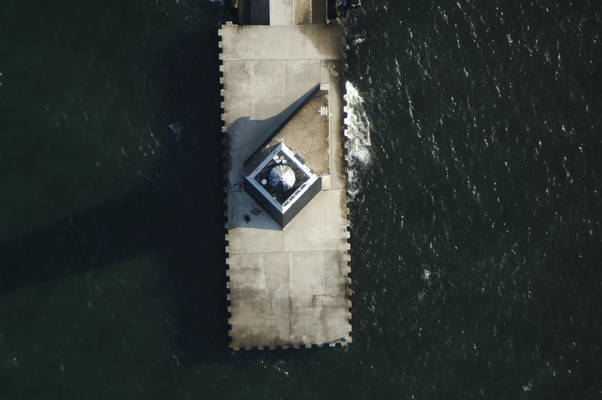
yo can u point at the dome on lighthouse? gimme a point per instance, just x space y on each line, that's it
281 183
282 178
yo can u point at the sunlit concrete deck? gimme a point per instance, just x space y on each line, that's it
288 287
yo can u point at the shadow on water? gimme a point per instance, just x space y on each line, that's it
177 214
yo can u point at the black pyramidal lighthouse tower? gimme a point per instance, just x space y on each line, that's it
282 184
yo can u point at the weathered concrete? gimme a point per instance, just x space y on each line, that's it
281 12
309 12
286 43
288 287
311 145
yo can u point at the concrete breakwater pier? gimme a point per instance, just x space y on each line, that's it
286 215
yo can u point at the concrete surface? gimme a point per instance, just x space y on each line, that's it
288 287
281 12
306 134
309 12
302 12
286 43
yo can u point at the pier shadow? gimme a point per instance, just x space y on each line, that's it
177 217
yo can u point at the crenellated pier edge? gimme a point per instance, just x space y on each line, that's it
287 246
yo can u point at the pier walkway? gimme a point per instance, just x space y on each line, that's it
288 287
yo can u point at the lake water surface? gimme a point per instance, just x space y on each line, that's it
476 236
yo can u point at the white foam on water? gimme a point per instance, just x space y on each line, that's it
358 137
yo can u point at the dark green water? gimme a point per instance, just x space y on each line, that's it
476 230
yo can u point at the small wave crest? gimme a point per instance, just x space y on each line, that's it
358 137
